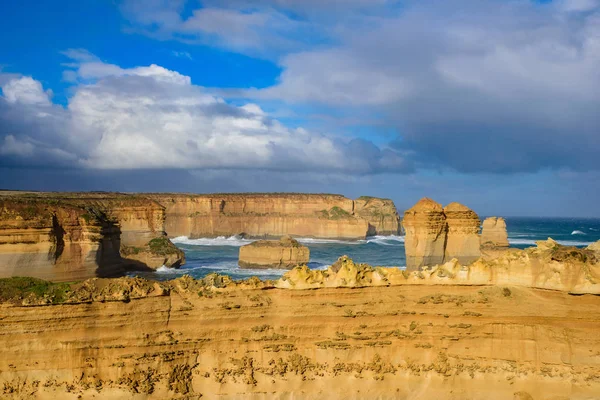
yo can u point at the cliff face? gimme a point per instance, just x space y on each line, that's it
275 215
435 234
443 335
425 234
72 236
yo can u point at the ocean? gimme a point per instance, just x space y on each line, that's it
220 255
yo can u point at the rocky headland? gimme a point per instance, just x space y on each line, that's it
285 253
72 236
272 215
504 327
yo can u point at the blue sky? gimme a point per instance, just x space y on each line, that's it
492 103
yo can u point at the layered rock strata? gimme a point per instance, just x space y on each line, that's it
435 234
274 215
463 241
448 337
282 254
70 236
426 232
493 232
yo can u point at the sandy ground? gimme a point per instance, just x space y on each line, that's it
403 342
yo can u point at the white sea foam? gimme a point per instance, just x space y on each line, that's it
563 242
235 241
165 270
578 233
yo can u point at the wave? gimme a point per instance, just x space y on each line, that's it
235 241
578 233
563 242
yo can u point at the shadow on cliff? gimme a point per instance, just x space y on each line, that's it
108 258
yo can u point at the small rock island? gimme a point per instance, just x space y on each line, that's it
285 253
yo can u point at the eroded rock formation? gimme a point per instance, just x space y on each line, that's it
285 253
493 232
274 215
449 332
70 236
547 266
434 234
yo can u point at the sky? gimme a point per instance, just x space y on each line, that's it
492 103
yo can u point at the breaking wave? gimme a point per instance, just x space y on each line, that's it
578 233
563 242
237 241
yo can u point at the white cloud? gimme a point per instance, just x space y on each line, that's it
152 117
25 90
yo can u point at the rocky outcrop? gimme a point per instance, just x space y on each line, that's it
493 232
71 236
595 247
427 335
426 232
283 254
547 266
273 215
435 234
463 242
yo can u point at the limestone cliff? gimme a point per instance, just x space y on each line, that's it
272 215
441 333
285 253
493 232
70 236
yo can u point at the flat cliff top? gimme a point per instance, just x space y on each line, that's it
78 198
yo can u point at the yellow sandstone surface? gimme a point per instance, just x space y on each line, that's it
493 232
504 328
71 236
274 215
285 253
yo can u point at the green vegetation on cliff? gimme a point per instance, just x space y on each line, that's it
335 213
18 288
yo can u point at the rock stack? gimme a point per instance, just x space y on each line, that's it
284 254
425 234
435 234
493 233
463 233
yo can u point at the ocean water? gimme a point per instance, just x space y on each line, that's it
220 255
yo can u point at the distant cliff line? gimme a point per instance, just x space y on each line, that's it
271 215
72 236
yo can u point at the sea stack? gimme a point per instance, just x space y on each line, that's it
425 238
463 241
493 233
285 253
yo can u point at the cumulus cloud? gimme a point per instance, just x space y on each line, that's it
152 117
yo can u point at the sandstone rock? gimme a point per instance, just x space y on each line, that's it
285 253
547 266
494 233
595 246
156 253
272 215
425 234
73 236
463 233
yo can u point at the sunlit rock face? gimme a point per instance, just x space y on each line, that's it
281 254
426 233
463 241
435 234
493 233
